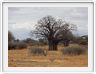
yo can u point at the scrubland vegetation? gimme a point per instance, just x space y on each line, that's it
56 46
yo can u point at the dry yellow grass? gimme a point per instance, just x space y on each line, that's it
21 58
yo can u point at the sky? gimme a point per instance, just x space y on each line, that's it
22 20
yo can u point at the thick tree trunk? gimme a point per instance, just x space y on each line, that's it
53 46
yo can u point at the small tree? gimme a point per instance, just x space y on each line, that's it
10 40
10 36
67 38
83 40
28 40
54 30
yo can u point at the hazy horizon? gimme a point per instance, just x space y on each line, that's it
21 20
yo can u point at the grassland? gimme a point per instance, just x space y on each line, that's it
22 58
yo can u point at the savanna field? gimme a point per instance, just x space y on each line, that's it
53 39
52 43
23 58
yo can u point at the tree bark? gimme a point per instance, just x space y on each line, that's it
53 46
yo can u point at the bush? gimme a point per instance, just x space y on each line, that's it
11 45
37 51
21 45
16 45
83 42
73 50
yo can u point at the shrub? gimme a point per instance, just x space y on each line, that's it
37 51
10 45
83 42
21 45
16 45
73 50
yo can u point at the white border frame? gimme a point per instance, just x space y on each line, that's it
95 36
0 36
48 0
5 67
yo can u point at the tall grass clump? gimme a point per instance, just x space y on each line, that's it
37 51
73 50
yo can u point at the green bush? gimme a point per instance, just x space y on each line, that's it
73 50
37 51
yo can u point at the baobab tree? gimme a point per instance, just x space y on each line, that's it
54 30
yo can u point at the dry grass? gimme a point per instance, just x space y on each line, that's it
21 58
